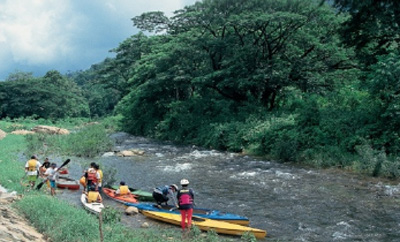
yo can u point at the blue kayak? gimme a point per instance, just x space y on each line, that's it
200 212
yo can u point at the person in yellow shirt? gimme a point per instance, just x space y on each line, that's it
123 189
32 170
93 196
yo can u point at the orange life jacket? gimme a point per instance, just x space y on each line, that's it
82 181
92 175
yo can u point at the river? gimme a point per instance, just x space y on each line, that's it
292 203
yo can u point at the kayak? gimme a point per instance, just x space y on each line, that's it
141 195
207 224
91 207
129 198
67 183
63 171
200 212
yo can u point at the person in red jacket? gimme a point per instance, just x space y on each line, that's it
186 202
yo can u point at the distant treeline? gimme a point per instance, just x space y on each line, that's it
299 81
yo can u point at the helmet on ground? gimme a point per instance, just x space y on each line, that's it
184 182
174 186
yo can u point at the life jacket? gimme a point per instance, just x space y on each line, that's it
92 196
82 181
32 165
92 175
101 175
123 190
185 197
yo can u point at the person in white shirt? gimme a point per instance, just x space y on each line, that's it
52 175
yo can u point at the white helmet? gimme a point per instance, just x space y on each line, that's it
174 186
184 182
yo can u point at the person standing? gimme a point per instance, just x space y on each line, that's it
91 177
31 168
99 177
42 170
186 201
164 194
52 176
83 182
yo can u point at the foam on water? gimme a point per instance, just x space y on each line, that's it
285 175
177 167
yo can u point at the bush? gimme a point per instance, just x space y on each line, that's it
87 142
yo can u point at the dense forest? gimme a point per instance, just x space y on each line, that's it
310 82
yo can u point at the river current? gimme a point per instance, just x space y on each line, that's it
291 203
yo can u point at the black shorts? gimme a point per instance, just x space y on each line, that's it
159 198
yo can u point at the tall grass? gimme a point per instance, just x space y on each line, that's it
11 170
88 141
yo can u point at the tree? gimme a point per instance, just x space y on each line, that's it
219 61
50 97
373 28
252 50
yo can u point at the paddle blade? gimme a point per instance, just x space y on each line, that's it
40 185
64 164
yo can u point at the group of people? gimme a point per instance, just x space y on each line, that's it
183 199
48 171
91 180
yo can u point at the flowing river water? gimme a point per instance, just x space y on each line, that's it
291 203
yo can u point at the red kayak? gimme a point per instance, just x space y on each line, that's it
67 183
129 198
63 171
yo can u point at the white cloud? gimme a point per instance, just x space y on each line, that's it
34 32
67 34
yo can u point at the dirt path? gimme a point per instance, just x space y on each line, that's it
14 227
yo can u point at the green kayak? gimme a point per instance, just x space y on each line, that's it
142 195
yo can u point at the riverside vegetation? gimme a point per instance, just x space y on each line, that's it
73 223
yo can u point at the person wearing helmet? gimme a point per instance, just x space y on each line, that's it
186 201
164 194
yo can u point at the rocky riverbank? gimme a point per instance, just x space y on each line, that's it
14 227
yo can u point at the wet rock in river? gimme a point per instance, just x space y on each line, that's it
131 211
130 153
108 154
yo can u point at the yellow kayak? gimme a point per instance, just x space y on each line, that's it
207 224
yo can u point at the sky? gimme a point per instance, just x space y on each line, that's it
67 35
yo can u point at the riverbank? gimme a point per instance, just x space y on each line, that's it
15 227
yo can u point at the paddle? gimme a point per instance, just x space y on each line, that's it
41 184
